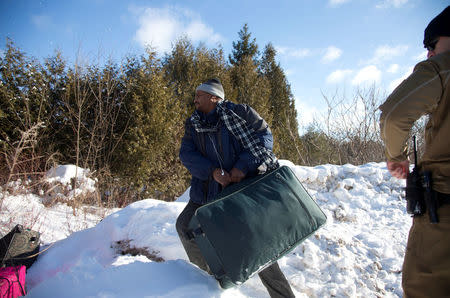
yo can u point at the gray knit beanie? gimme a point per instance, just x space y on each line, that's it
213 87
439 26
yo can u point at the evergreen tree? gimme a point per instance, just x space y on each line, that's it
244 47
55 74
106 119
210 63
76 99
22 94
149 152
282 108
23 107
249 87
179 70
319 148
187 67
126 120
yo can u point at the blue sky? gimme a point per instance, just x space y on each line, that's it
324 46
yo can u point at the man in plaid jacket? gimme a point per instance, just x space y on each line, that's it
224 143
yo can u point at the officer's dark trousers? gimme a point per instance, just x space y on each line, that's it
272 277
426 268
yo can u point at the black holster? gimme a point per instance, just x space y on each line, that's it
430 197
420 197
415 202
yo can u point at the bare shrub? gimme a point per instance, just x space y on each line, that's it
95 106
418 130
14 152
111 190
22 164
349 131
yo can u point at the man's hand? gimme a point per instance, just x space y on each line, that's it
222 177
399 170
236 175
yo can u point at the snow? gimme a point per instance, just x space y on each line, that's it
358 253
64 174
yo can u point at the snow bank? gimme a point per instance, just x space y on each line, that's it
57 220
65 174
358 253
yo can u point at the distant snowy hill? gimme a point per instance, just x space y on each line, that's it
358 253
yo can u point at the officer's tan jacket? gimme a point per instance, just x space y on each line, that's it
425 91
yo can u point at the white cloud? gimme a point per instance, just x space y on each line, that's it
397 82
337 2
159 27
293 52
393 68
307 113
338 76
391 3
199 31
369 74
332 53
383 53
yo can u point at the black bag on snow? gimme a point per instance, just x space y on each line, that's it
19 247
252 224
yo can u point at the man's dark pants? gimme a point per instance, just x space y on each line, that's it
272 277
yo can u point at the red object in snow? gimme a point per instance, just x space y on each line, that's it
12 281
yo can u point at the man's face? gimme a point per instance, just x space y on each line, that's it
441 45
204 102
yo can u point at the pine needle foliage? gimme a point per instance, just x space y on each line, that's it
124 120
281 108
149 150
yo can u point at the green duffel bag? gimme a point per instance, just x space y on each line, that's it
252 224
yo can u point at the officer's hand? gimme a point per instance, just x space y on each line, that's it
399 170
224 179
236 175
